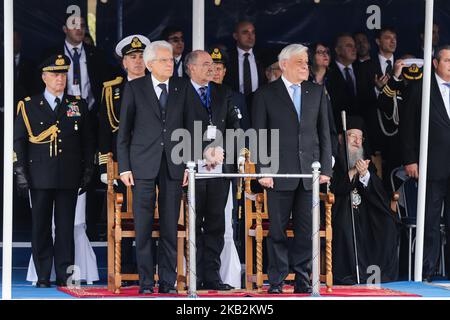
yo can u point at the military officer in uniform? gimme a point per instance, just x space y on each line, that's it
130 50
53 162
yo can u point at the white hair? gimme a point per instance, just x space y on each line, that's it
291 50
150 50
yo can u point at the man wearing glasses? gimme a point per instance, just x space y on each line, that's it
174 35
152 108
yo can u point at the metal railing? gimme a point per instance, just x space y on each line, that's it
315 237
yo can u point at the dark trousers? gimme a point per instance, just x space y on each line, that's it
210 199
144 198
437 193
44 250
280 205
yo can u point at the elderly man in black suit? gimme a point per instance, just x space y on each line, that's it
152 108
298 110
438 172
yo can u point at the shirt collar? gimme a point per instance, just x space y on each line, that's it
440 81
156 82
241 52
342 67
383 59
287 83
69 46
197 86
51 98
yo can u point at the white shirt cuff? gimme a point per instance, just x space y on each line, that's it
365 179
122 173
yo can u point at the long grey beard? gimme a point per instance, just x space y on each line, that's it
355 156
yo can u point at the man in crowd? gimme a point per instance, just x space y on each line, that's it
174 35
297 109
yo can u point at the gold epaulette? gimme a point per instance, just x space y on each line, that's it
47 136
27 99
108 96
102 158
114 82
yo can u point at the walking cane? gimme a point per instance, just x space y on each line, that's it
344 127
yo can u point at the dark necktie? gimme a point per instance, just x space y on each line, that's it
76 67
203 95
247 75
163 97
57 102
389 67
176 66
349 81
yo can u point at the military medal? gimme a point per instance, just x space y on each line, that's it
356 198
76 126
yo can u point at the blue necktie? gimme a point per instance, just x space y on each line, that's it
297 99
76 67
164 96
203 95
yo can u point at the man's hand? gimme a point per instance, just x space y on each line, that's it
362 166
412 170
214 156
324 179
185 178
381 81
127 179
266 182
398 66
87 176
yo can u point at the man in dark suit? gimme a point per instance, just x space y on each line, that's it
130 50
344 80
152 108
438 170
245 70
211 106
298 110
54 154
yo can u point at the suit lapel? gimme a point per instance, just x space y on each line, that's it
46 107
215 106
150 95
283 93
173 94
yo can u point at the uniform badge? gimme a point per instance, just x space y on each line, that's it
356 199
73 111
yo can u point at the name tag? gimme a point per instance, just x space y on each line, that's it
211 132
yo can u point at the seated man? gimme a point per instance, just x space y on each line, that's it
357 188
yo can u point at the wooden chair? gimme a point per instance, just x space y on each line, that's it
121 225
257 227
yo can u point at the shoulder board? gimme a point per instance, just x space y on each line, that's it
114 82
27 99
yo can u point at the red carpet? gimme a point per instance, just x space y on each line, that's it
338 291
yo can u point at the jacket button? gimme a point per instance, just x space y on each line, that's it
165 130
60 151
59 140
162 143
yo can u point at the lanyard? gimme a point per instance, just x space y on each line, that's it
70 53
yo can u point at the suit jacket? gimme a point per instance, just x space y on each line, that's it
438 135
75 143
143 133
339 96
300 142
232 75
223 117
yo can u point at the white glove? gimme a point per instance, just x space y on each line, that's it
104 179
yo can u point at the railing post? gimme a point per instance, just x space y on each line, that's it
315 229
192 246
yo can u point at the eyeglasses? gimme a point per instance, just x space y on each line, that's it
165 60
323 52
176 39
205 65
355 136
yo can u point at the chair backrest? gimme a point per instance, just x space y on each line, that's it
408 189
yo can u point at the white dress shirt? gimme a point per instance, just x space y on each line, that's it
86 92
180 66
384 64
365 179
445 92
253 69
